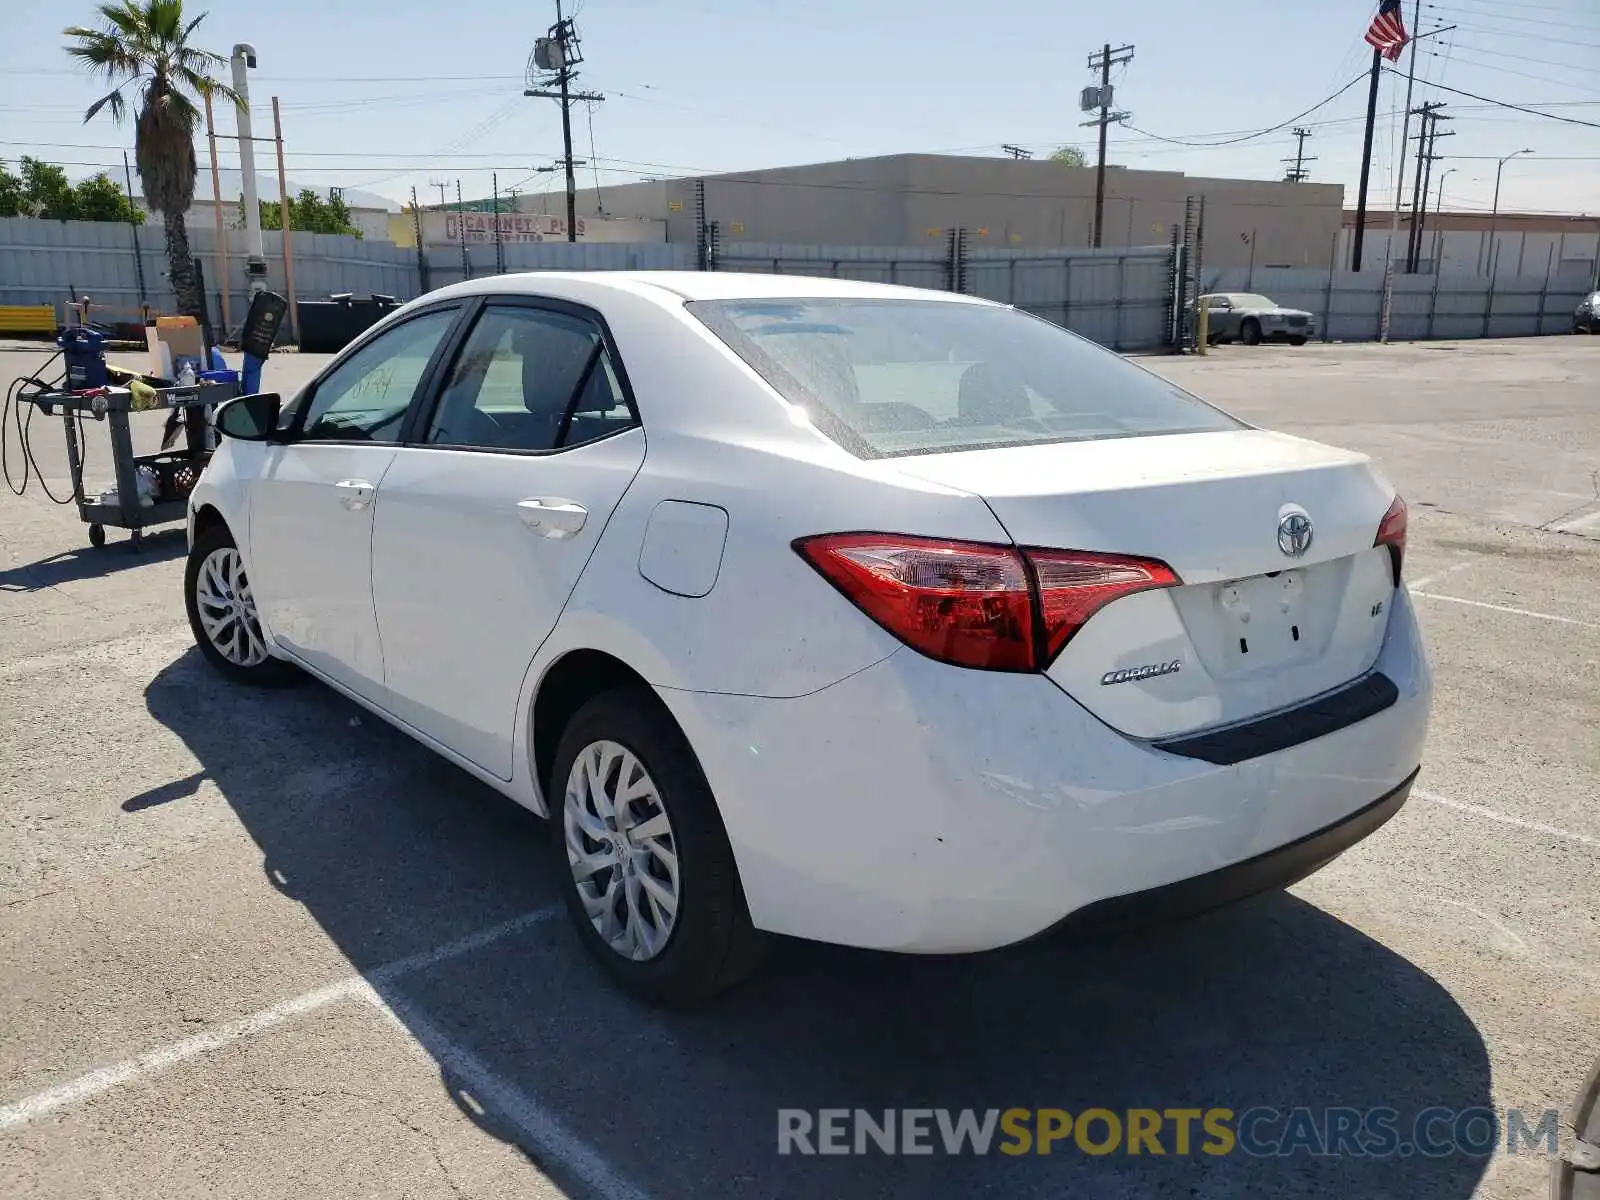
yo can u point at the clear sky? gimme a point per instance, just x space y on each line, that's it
388 95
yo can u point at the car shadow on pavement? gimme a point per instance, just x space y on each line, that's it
90 563
1271 1003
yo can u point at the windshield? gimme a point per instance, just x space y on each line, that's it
894 377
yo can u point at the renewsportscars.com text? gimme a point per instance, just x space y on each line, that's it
1259 1131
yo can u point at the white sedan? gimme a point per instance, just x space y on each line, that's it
849 612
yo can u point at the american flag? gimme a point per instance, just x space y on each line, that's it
1387 33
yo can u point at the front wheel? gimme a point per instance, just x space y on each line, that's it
1297 341
222 613
648 874
1250 332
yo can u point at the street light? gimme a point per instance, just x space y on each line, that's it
1494 212
1438 206
1438 211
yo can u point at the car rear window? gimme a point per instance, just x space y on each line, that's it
894 377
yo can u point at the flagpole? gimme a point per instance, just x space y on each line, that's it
1400 181
1366 163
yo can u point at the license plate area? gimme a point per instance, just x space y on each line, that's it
1267 622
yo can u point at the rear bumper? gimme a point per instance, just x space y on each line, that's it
920 807
1264 873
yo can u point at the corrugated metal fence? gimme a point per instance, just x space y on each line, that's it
1120 297
1348 306
50 262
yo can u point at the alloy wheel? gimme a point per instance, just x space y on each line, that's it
227 608
621 850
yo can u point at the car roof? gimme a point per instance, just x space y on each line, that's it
672 287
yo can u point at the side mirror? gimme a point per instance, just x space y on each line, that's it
250 418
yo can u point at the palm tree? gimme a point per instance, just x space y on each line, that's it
147 42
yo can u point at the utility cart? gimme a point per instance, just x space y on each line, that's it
165 479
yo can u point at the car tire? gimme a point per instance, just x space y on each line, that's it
221 607
1297 341
706 942
1250 332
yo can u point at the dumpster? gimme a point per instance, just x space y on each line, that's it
328 326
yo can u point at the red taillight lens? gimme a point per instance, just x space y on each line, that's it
973 604
1074 585
961 602
1392 533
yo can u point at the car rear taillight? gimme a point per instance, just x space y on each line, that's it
975 604
1074 585
960 602
1392 533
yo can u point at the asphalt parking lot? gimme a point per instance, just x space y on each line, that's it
261 944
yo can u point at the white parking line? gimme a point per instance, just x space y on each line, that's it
152 1062
1520 612
542 1133
1442 572
155 1061
1489 814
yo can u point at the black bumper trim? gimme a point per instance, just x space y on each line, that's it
1321 715
1275 869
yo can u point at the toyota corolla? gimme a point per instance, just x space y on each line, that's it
857 613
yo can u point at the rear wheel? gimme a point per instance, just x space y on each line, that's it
222 612
649 877
1250 332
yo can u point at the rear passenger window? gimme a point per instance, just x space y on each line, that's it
530 379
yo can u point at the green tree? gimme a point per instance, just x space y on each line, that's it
42 190
146 42
1069 156
11 196
47 190
98 198
308 213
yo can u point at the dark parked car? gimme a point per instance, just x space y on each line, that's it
1587 318
1252 319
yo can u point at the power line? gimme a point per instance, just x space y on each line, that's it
1542 62
1524 20
1496 5
1523 35
1259 132
1487 66
1507 104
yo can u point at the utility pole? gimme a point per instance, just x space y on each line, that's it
461 231
1429 119
1432 140
559 52
422 258
441 184
1298 173
1017 152
499 246
1103 62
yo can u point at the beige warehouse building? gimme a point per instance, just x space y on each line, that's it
910 199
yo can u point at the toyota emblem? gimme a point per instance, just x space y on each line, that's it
1294 532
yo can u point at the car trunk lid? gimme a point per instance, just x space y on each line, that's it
1253 626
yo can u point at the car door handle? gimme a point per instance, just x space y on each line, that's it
355 494
552 518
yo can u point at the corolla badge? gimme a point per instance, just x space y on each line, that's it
1294 530
1134 674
